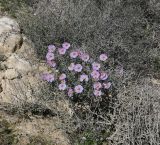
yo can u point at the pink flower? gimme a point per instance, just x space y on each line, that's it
107 85
51 48
103 57
84 57
74 54
97 93
48 77
95 74
66 45
84 77
97 85
71 67
70 92
78 89
96 66
62 76
62 51
78 67
62 86
50 56
103 76
51 63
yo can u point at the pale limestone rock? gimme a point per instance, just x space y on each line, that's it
10 37
17 90
27 51
11 74
10 43
1 75
21 65
7 24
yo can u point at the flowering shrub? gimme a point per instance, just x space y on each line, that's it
75 72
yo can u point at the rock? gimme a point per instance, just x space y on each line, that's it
27 51
21 65
1 75
10 37
7 24
27 130
21 90
11 74
43 127
10 43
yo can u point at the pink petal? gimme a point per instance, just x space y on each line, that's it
66 45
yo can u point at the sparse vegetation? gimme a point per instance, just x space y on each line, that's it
7 135
128 30
39 140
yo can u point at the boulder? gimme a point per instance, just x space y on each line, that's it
10 36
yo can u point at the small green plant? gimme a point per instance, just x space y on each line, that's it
93 137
